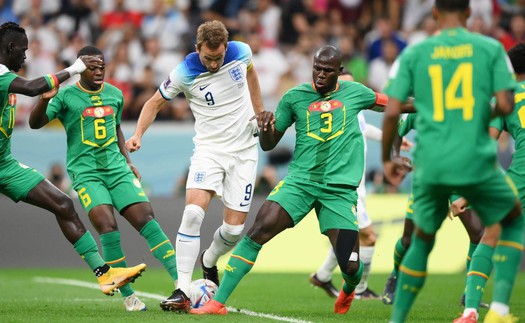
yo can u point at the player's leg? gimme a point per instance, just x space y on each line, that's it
41 193
237 193
205 178
340 225
400 249
224 239
322 278
367 240
474 229
288 203
430 209
493 201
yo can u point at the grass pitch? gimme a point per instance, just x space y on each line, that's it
68 295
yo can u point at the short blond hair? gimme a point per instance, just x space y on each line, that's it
213 33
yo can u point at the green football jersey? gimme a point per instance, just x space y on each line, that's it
453 76
514 124
90 119
406 123
7 115
329 145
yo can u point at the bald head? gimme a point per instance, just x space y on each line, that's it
329 53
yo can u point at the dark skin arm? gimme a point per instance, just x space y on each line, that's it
124 152
504 103
269 138
39 85
390 121
38 117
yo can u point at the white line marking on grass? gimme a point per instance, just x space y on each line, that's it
79 283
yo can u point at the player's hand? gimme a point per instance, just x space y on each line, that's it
264 119
133 144
457 208
406 145
92 61
396 169
50 94
135 171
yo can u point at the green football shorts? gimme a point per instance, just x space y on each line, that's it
492 200
119 189
17 179
335 205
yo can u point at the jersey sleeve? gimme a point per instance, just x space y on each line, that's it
367 98
502 71
284 114
406 123
120 108
6 77
400 77
497 123
55 106
241 52
174 84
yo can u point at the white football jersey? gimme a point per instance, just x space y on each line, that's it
220 101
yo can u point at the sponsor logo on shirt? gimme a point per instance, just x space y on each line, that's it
97 112
325 106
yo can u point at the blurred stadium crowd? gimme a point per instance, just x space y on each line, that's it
144 39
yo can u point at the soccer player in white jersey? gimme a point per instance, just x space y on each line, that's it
222 88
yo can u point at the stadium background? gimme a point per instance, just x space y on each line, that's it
140 38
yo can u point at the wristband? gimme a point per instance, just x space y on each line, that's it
51 80
77 67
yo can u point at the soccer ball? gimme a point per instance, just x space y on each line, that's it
201 291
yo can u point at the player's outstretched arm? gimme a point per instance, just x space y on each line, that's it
148 114
255 91
394 172
38 117
45 83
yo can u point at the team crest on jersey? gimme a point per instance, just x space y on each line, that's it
236 73
97 112
199 177
325 106
12 99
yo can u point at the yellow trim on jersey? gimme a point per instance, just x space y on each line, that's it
411 272
88 91
477 273
160 244
338 132
512 185
250 66
115 261
90 143
251 263
511 244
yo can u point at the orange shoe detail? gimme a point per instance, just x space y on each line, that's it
212 307
343 302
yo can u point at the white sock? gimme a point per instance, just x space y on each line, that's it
224 239
324 273
502 309
188 245
366 254
468 310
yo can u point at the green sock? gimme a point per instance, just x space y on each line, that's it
507 259
471 248
114 256
478 273
399 253
160 246
241 262
412 274
352 281
87 248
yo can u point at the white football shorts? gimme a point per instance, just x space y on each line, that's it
362 216
230 175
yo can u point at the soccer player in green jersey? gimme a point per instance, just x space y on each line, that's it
326 169
22 183
452 76
467 216
100 168
508 252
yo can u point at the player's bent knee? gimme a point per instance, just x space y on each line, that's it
191 219
64 206
232 230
